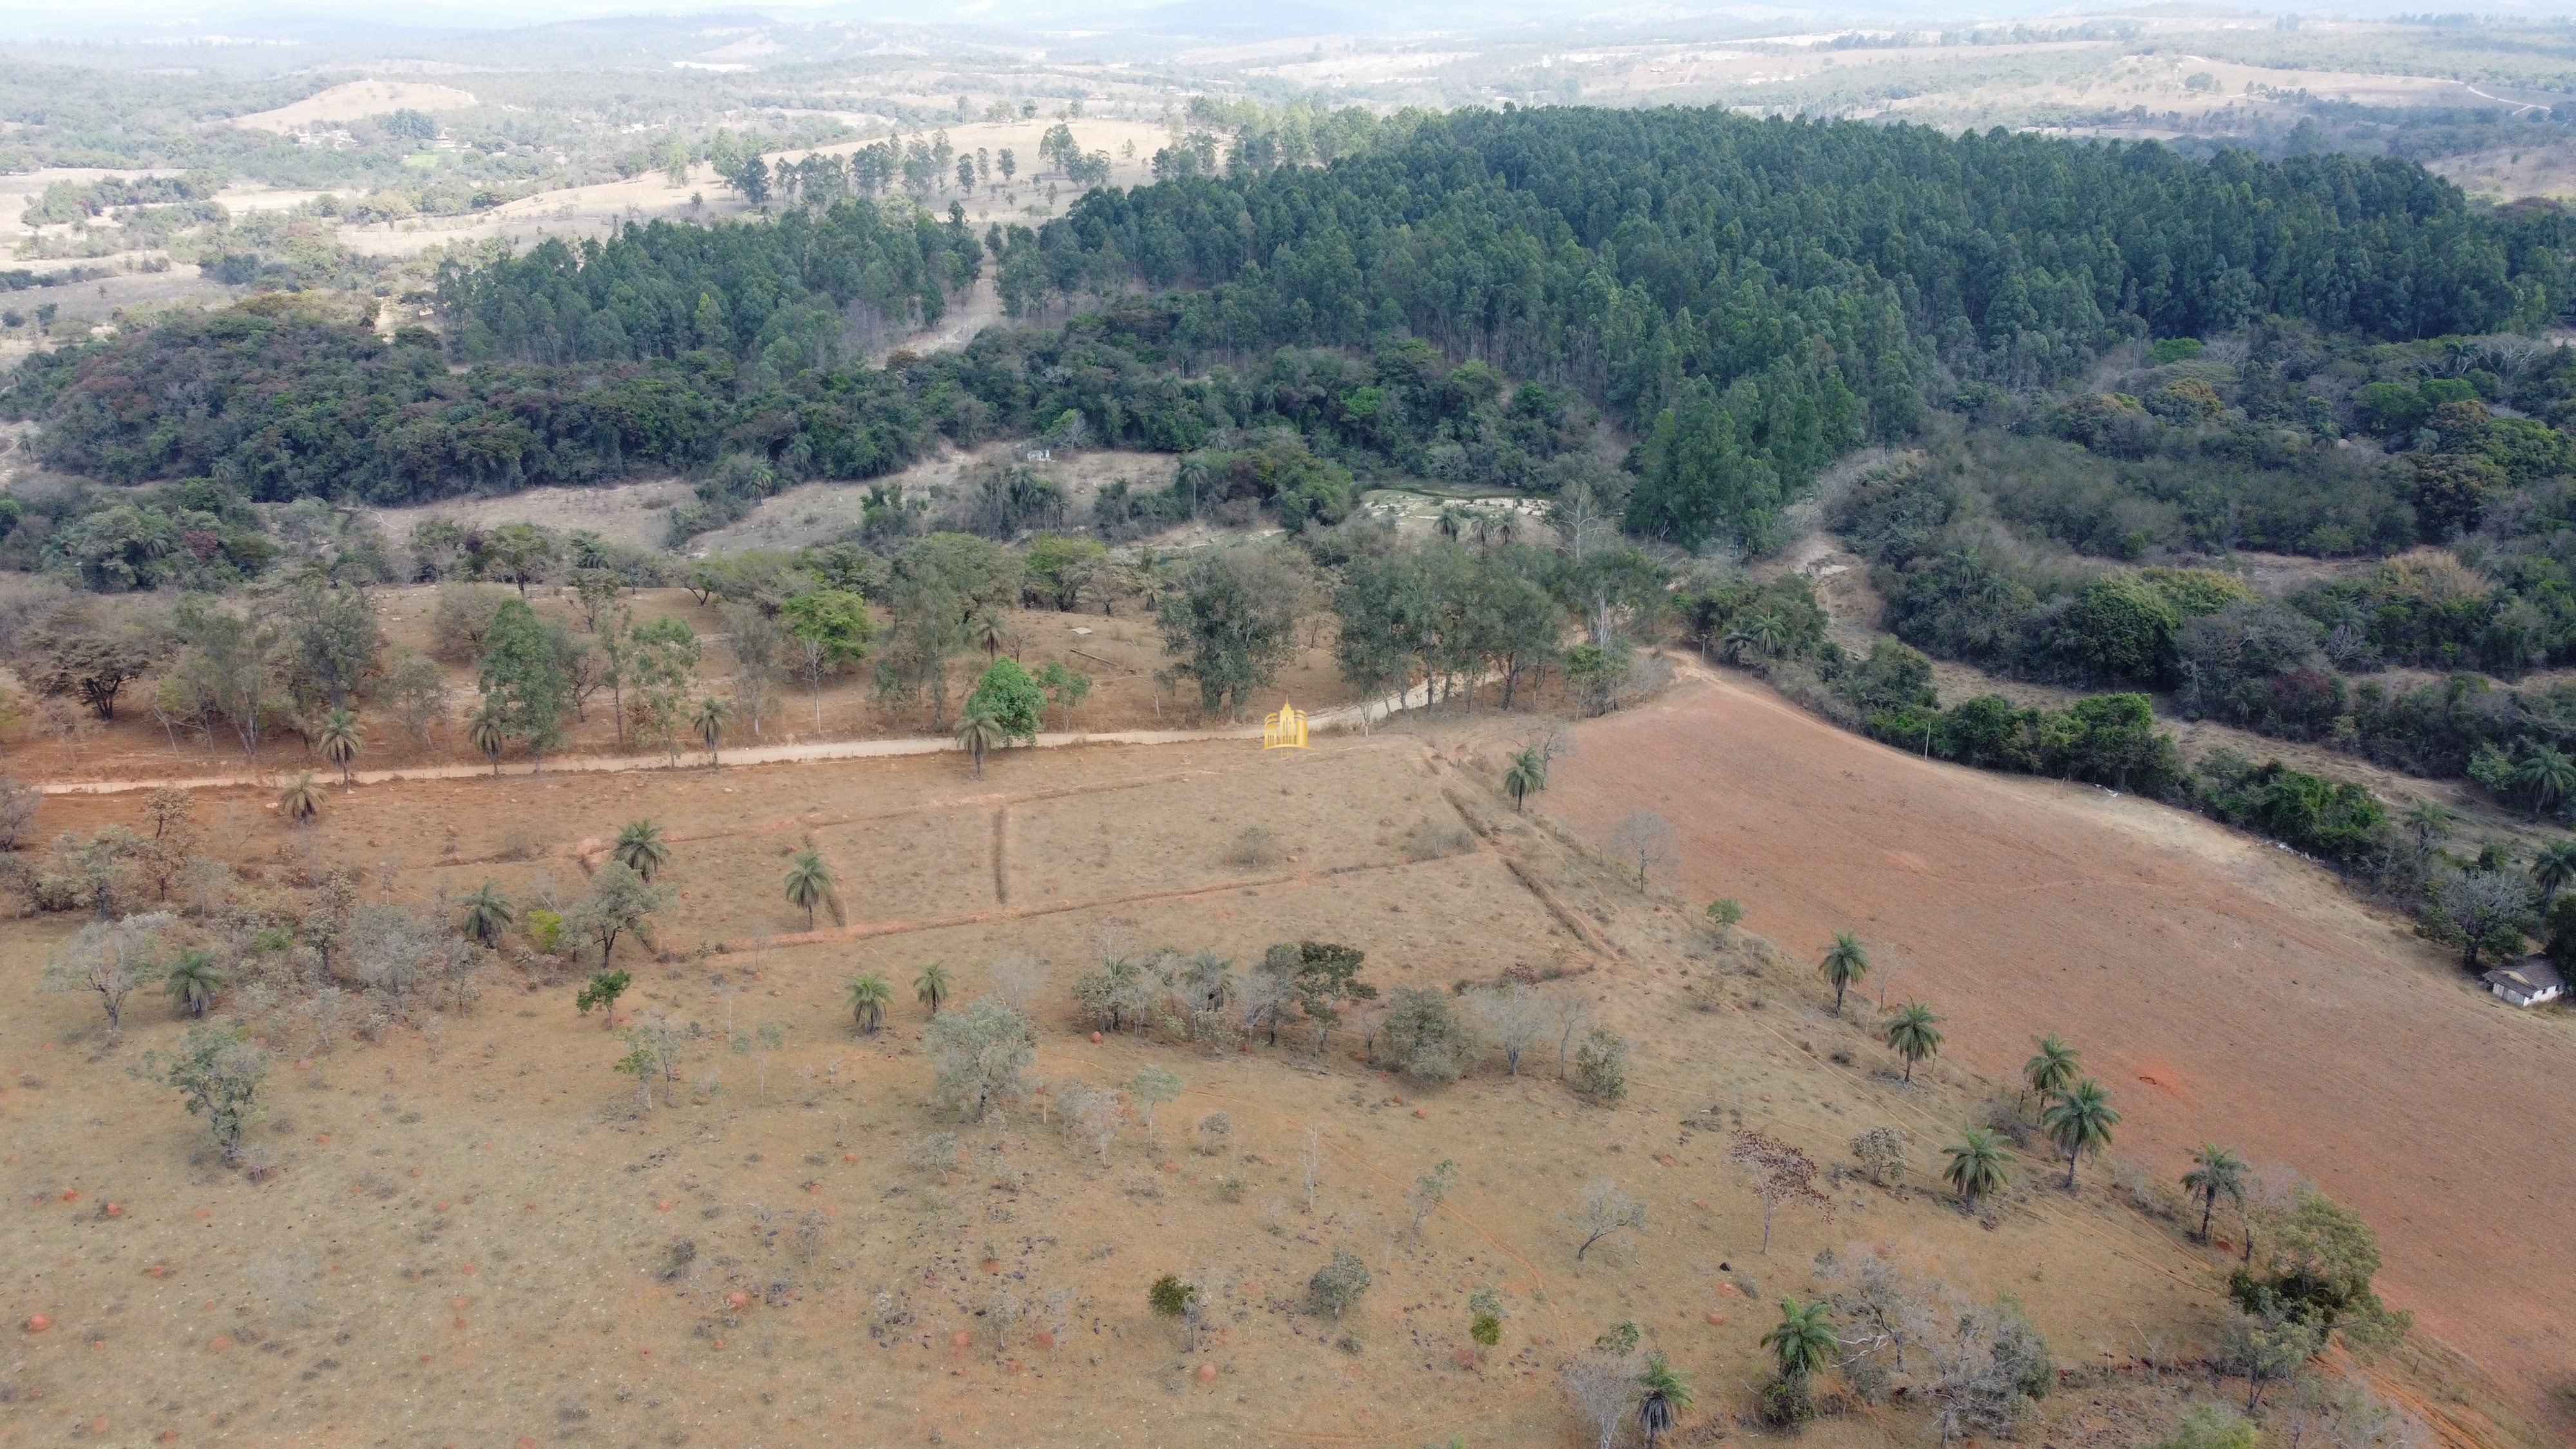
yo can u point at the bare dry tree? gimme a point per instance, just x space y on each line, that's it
1781 1173
1310 1164
1641 841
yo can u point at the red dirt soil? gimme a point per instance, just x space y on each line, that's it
2225 990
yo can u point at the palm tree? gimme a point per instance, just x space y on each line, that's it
1760 635
2080 1121
985 627
932 986
1528 772
1668 1397
869 998
1846 961
1912 1031
809 883
299 799
639 847
2048 1073
483 731
193 982
1979 1164
2215 1173
979 731
708 719
2552 867
2547 776
1804 1338
487 914
2430 822
340 740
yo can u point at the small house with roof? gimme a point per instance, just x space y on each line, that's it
2527 982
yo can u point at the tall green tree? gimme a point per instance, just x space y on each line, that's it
1232 624
2052 1067
523 679
1803 1340
832 630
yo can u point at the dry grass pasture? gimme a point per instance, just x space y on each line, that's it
475 1235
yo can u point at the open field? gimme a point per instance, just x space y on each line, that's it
474 1232
2222 988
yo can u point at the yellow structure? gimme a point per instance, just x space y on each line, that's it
1285 730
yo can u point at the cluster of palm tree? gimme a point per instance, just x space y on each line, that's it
869 996
299 798
1760 635
2076 1115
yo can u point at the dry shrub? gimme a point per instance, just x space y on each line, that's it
1257 848
1426 839
2147 1191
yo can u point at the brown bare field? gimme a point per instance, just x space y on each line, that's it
2224 989
474 1236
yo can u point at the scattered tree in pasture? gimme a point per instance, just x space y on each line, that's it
1606 1208
932 986
339 741
1429 1191
832 630
487 914
113 960
1526 773
1513 1017
708 719
1153 1086
1424 1037
602 990
1668 1397
1172 1298
1641 843
1338 1284
1980 1165
1091 1114
1310 1164
641 849
2216 1172
1601 1065
619 902
2080 1121
484 731
1881 1152
979 733
218 1074
869 997
1803 1340
299 799
1781 1174
979 1055
1600 1386
193 982
1065 686
1914 1034
810 885
1726 914
2052 1068
1846 961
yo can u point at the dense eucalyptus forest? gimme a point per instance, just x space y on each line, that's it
1742 299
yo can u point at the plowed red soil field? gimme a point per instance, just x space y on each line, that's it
2224 989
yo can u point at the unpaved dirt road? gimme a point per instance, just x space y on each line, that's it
2224 990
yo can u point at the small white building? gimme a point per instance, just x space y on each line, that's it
2527 982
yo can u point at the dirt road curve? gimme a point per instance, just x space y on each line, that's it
2222 989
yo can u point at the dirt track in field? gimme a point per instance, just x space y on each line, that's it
2223 989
